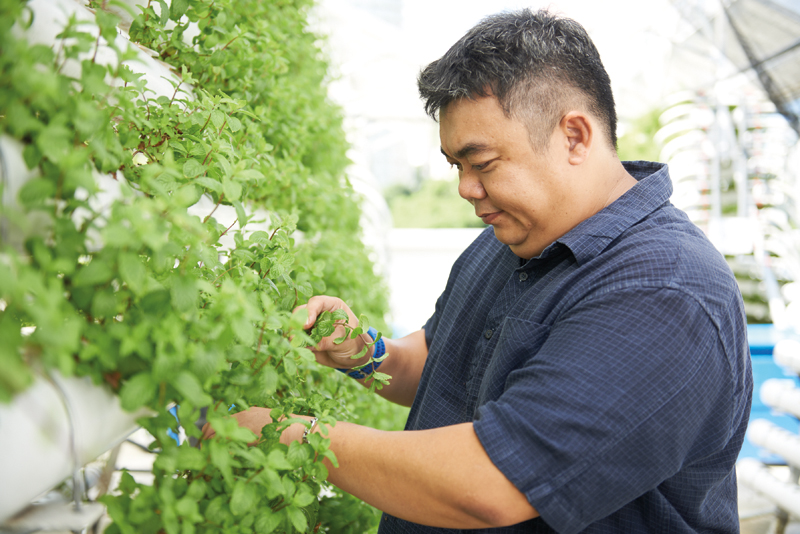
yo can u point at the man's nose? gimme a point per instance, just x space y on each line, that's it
470 188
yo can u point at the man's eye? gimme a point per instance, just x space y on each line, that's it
456 165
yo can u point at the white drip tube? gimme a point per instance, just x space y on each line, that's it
782 395
776 440
787 354
756 476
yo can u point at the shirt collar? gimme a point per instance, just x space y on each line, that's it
589 238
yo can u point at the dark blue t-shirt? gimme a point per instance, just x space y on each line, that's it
608 378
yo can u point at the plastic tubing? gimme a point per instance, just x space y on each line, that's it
782 395
776 440
756 476
787 354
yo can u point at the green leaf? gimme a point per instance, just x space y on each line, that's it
290 365
188 386
178 8
187 195
363 322
164 12
217 118
268 378
297 455
32 156
93 78
244 330
184 293
250 174
97 272
276 459
222 460
303 497
104 303
267 521
232 190
192 168
241 215
298 518
137 391
191 458
36 190
244 497
208 183
340 315
234 124
132 272
155 302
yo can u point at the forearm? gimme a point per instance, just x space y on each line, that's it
440 477
404 363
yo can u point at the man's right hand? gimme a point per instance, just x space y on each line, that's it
326 351
405 357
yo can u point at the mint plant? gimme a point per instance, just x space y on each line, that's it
144 297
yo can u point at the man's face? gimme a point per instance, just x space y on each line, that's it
521 191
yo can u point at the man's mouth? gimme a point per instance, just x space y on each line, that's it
489 217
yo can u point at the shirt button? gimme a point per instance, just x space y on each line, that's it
523 276
488 334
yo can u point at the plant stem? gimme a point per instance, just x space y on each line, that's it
221 196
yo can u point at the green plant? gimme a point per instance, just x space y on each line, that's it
638 141
432 204
142 296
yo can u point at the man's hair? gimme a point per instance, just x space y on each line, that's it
539 66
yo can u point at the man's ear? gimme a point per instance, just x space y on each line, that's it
579 135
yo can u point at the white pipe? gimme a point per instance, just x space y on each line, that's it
776 440
782 395
35 440
756 476
787 354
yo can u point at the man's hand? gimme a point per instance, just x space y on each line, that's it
327 352
255 419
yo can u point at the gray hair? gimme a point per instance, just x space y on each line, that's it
537 65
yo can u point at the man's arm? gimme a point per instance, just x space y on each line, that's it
404 363
440 477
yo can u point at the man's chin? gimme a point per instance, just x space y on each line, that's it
506 237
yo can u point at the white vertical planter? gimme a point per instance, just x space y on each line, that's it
59 424
50 428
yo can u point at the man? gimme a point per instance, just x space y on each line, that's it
586 368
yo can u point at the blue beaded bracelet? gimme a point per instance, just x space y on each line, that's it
380 350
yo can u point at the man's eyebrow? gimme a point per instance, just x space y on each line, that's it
467 150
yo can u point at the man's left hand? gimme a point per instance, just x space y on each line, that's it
257 418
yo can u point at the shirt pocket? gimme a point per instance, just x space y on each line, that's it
520 340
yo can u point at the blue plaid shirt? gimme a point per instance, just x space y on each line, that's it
608 378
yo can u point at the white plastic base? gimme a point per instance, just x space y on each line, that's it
36 450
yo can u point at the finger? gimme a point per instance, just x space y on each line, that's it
320 303
208 431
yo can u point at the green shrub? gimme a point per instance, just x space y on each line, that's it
141 296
